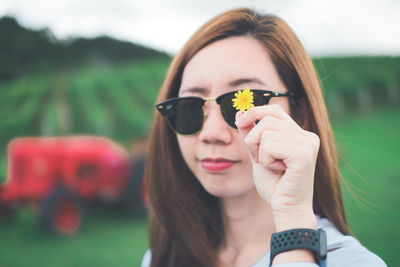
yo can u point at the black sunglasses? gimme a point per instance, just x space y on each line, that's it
185 115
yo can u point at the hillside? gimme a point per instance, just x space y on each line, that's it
25 51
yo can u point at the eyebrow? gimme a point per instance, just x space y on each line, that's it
241 81
234 83
196 90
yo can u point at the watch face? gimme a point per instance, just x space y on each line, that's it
323 243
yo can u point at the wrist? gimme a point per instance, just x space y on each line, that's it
304 219
298 255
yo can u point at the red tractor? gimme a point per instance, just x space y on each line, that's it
60 174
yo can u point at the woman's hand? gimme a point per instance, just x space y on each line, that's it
284 158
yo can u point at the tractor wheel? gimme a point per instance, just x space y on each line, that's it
132 196
61 212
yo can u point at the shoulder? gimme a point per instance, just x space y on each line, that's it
345 250
146 261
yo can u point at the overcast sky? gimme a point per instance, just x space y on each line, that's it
326 27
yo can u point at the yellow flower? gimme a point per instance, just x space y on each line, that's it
243 100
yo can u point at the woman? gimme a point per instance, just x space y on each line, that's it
222 183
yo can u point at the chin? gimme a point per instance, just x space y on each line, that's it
226 190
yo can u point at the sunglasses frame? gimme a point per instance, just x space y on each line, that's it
165 106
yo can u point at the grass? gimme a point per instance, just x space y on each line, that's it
370 164
107 239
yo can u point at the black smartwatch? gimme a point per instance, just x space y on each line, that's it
314 240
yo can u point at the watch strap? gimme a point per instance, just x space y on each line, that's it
309 239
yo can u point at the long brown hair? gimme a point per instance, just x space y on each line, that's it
186 227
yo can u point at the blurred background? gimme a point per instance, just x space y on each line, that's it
93 68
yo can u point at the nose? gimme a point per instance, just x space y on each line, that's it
215 129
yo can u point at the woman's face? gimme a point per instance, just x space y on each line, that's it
216 155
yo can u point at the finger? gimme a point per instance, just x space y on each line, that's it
253 137
243 131
267 126
257 113
272 155
296 156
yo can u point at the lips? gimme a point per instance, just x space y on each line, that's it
218 164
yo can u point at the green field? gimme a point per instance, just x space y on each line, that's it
370 162
370 165
107 239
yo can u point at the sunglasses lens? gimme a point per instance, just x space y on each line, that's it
186 117
260 99
227 109
229 112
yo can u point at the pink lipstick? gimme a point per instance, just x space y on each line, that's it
215 165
